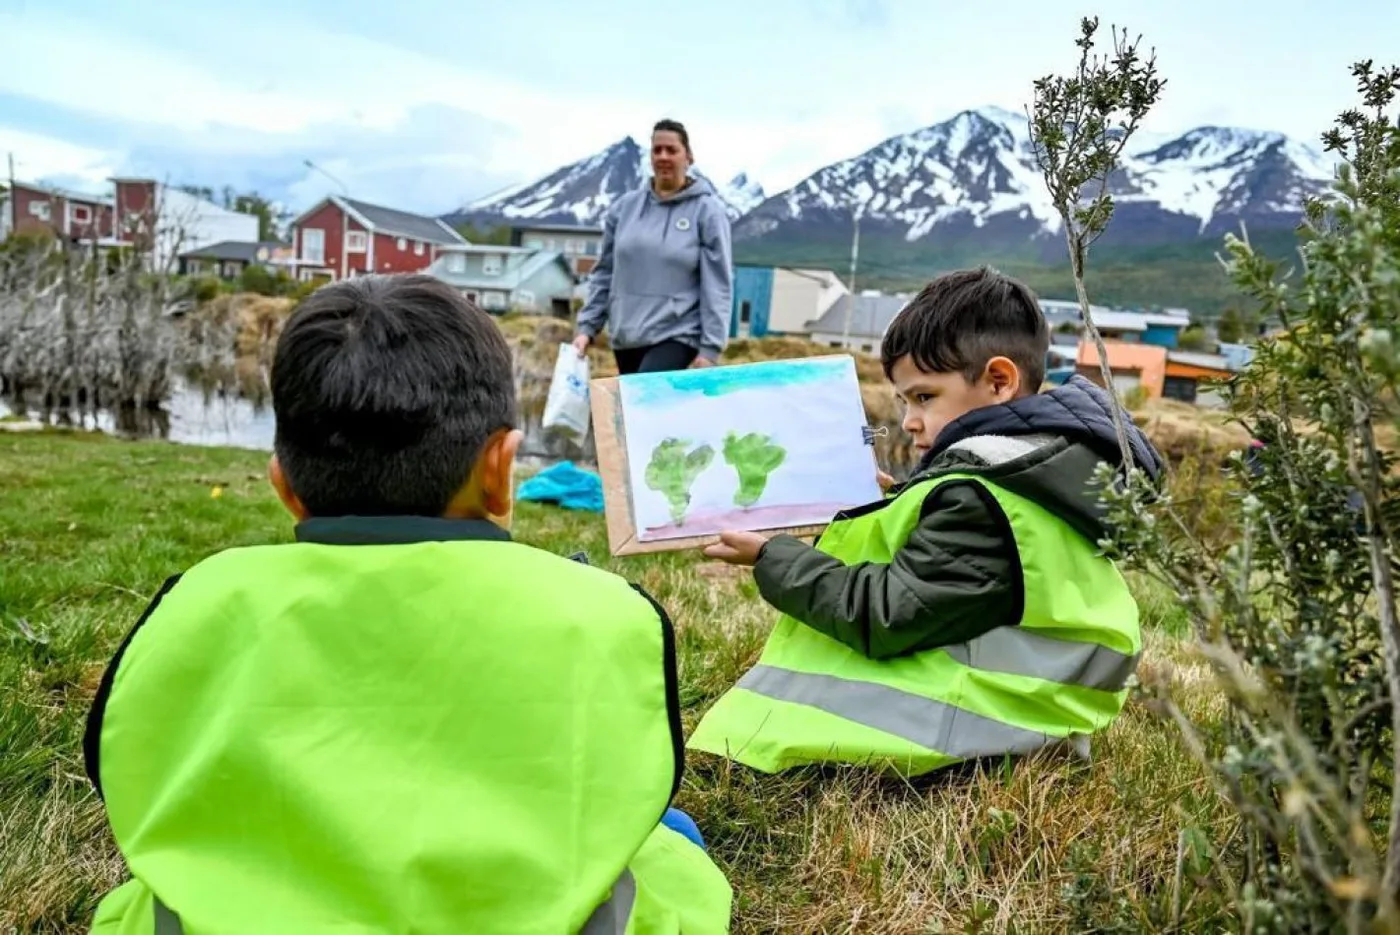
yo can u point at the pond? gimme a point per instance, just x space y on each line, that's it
195 416
191 416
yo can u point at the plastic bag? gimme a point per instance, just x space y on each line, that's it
566 408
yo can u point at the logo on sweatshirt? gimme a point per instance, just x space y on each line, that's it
682 224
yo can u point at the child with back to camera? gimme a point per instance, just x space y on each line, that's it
404 720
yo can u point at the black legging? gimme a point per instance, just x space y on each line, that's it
668 355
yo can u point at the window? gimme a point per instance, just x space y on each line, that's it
591 248
313 245
491 264
418 246
81 214
456 263
745 312
534 243
40 210
356 242
570 247
494 300
401 243
524 299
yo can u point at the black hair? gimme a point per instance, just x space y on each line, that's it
963 319
676 127
386 390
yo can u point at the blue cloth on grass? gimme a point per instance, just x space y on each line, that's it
681 823
565 484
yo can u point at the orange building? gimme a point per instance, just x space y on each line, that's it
1158 371
1133 365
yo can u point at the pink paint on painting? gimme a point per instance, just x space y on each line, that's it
787 516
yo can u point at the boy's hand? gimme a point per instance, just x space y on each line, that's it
884 480
737 548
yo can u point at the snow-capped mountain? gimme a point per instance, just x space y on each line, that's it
972 180
581 192
742 194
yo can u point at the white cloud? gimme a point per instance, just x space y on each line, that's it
210 88
39 156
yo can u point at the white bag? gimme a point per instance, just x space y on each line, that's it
566 408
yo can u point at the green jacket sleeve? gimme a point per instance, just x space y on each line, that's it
957 577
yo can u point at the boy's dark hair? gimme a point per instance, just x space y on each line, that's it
385 390
963 319
676 127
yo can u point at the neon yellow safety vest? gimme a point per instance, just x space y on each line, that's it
1060 672
435 737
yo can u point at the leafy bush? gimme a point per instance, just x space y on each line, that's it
259 279
1295 611
1298 616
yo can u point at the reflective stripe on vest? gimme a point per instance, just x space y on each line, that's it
611 918
1059 672
1018 651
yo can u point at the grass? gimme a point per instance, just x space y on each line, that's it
89 527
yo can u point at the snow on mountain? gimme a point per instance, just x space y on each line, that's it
742 195
578 193
1220 175
970 180
581 192
973 178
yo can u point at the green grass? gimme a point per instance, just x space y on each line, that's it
90 527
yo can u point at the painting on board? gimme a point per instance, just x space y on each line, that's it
777 445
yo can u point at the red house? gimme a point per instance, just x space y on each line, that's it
340 237
69 215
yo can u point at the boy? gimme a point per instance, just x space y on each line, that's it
969 614
404 721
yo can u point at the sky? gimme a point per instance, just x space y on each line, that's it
435 103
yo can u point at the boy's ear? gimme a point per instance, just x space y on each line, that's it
1002 377
284 490
497 477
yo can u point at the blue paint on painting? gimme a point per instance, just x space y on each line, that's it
677 385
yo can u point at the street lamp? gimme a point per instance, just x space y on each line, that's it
315 168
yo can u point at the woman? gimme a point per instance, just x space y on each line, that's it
664 277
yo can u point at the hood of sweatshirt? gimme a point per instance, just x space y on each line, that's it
1046 447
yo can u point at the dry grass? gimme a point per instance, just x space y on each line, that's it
89 527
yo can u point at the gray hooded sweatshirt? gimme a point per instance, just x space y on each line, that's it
664 272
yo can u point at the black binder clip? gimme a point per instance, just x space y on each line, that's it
868 434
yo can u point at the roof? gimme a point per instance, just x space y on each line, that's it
510 278
1119 321
1204 361
486 248
67 193
404 223
870 317
559 228
1060 310
384 220
247 251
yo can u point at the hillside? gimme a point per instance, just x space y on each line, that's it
582 191
967 191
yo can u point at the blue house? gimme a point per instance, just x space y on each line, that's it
1161 329
503 279
753 300
773 300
